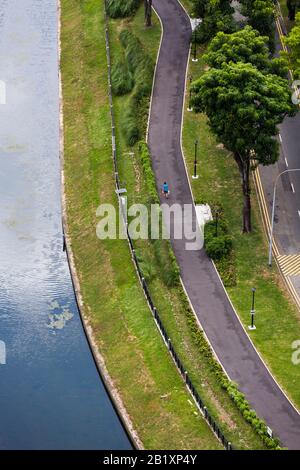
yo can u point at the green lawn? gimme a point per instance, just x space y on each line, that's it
277 319
137 360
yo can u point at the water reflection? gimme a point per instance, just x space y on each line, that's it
50 392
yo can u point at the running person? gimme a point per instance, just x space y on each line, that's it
165 189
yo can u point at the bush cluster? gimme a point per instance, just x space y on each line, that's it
121 78
217 242
218 246
121 8
141 67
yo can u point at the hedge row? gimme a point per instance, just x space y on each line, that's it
141 66
121 8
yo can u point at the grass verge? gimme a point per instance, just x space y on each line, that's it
277 319
136 358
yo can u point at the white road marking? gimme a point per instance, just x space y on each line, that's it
286 162
280 138
299 213
293 189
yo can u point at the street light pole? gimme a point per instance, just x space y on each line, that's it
217 220
195 176
273 212
190 97
194 59
252 311
190 101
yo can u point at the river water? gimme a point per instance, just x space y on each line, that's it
51 396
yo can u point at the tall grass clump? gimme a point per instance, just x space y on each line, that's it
121 78
121 8
141 67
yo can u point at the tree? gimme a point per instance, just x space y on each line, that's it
217 17
261 18
244 107
148 12
293 42
293 6
245 45
199 8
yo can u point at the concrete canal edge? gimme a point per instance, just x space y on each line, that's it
97 356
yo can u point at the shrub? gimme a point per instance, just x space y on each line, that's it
227 270
218 247
141 67
121 78
121 8
148 172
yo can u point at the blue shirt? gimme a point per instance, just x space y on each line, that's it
165 188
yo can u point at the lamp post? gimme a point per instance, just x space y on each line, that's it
252 311
195 176
273 212
190 101
194 59
217 221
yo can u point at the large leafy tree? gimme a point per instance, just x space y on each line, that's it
293 41
261 17
244 107
217 16
245 45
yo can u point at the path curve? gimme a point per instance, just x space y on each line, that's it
204 288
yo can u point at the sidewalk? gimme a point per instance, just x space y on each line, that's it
202 283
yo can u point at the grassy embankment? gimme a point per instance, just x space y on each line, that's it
277 319
135 355
168 299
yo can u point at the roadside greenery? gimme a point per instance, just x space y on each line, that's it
260 14
244 101
121 8
137 69
293 42
247 46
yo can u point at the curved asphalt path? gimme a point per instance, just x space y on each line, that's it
210 302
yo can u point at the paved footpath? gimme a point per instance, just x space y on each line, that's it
207 295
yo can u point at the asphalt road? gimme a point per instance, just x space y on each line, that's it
201 281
